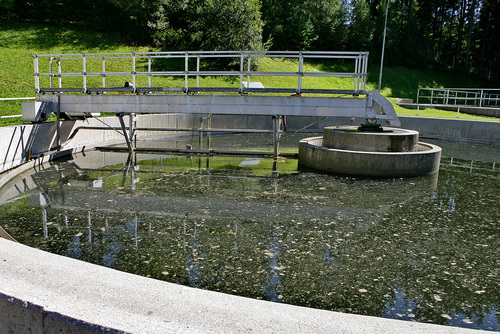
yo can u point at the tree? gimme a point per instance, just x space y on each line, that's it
361 27
226 25
304 24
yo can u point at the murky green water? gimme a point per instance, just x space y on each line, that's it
420 249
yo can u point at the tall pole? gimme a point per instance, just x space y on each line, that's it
383 48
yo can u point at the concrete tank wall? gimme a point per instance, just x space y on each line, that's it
46 293
481 132
18 144
33 142
384 164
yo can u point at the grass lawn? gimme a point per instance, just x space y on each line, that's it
18 41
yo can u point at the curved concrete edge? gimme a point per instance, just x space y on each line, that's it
389 140
45 293
380 164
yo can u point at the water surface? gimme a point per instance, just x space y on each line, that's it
418 249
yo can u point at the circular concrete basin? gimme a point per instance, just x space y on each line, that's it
424 160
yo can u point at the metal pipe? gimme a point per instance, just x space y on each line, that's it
84 73
196 151
186 70
149 71
133 69
209 125
50 70
300 74
276 134
37 74
383 47
103 71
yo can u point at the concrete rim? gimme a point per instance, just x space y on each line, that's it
371 164
431 148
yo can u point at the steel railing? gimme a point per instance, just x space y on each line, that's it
473 97
58 68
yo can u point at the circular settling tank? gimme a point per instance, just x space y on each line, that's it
392 152
419 249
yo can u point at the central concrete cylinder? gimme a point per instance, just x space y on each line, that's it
424 161
389 140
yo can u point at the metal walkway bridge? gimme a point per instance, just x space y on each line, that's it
81 85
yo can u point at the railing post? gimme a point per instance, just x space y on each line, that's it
84 73
364 69
481 99
50 70
418 103
149 71
301 69
133 69
242 68
186 70
59 71
37 73
356 72
197 70
249 67
103 72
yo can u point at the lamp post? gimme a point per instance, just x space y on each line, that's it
383 48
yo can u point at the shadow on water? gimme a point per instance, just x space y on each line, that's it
418 249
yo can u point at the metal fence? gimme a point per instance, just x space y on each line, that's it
473 97
465 101
94 72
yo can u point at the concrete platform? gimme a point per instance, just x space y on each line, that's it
47 293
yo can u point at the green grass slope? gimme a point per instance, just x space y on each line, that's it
18 41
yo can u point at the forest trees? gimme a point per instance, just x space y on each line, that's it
458 34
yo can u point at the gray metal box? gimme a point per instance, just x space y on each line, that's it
36 111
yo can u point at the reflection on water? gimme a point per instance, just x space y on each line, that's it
419 249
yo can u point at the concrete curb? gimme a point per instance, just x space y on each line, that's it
45 293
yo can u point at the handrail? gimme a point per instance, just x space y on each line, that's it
14 99
475 97
141 65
